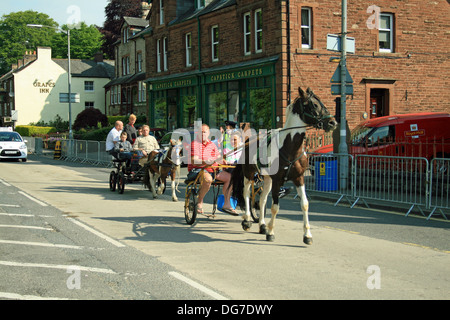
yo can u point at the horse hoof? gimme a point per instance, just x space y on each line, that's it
246 225
270 237
262 229
307 241
175 199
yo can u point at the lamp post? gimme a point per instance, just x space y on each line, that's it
69 76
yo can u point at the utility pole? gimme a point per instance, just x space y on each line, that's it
343 148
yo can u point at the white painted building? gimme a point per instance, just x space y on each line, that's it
30 92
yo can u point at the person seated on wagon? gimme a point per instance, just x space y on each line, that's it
113 137
145 144
123 148
204 153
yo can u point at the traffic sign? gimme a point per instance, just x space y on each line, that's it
336 78
334 43
336 89
64 98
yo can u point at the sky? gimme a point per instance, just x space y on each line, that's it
62 11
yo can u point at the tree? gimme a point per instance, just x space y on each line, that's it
84 42
16 37
115 10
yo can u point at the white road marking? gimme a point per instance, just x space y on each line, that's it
33 199
98 234
5 183
9 205
198 286
24 227
41 244
24 215
15 296
55 266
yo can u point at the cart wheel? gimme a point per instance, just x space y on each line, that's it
255 210
121 183
112 181
190 205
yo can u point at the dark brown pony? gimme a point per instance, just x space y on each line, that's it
289 162
160 165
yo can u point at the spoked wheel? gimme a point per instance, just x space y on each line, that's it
190 205
112 181
121 183
255 210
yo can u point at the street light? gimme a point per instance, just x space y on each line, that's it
69 76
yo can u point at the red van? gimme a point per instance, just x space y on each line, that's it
424 135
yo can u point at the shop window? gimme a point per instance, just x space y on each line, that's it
160 110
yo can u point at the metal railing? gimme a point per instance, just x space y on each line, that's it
411 181
83 151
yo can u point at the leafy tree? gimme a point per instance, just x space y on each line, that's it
90 118
84 42
115 11
16 37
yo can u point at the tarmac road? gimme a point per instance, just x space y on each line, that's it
357 253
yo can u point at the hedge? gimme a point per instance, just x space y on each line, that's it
31 131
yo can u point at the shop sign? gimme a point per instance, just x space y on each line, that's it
259 71
174 84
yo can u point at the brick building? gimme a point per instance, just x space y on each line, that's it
243 60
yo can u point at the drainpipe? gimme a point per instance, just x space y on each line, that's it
200 77
288 34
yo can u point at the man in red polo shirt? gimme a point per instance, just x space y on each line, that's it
204 153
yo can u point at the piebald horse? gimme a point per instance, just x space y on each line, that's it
160 164
306 111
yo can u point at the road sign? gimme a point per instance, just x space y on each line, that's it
336 89
336 78
64 98
334 43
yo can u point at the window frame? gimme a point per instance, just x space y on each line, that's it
214 43
161 12
247 25
390 32
188 47
258 31
89 87
165 43
308 27
158 55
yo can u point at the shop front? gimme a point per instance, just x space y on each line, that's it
243 93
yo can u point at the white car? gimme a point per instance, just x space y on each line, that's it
12 146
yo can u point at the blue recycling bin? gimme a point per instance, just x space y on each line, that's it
326 175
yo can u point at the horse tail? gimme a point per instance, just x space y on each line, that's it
237 183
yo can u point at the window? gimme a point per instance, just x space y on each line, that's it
215 43
158 55
188 39
199 4
125 65
386 32
89 104
139 61
258 31
247 34
126 34
89 86
142 97
161 12
165 48
306 28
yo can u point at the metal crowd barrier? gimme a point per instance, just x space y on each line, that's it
439 186
83 151
396 179
411 181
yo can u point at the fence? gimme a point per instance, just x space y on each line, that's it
92 152
411 181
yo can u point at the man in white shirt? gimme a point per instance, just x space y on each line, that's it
113 137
